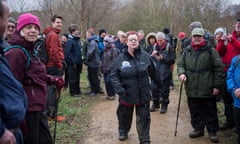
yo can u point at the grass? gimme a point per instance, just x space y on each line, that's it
77 116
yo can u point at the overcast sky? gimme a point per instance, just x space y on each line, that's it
14 4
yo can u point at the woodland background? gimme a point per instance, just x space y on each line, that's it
148 15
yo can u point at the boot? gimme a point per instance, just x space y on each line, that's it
196 133
226 125
154 107
122 136
213 137
163 108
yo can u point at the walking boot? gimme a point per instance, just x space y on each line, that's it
196 133
122 136
163 109
154 107
213 137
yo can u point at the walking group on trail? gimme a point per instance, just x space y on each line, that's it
136 68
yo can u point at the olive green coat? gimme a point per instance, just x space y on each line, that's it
204 71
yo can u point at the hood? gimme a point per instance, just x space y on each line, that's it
49 29
19 40
149 35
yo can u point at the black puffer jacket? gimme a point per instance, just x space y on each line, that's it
130 77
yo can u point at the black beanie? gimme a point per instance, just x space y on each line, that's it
166 31
102 31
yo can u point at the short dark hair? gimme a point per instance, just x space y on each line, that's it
54 17
72 28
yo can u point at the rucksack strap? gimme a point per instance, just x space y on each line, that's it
24 51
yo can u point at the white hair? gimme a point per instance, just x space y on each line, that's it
160 35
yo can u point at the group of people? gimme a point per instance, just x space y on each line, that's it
136 68
208 67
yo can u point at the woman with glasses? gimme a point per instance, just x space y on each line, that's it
11 28
130 78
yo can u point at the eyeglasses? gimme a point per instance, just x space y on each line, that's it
11 26
132 40
197 36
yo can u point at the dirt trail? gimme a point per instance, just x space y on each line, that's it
103 128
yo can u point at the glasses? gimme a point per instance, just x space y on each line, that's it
11 26
197 36
132 40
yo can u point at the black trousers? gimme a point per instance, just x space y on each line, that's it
38 129
93 79
203 113
125 114
52 92
161 91
237 121
74 79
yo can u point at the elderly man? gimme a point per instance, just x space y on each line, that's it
201 69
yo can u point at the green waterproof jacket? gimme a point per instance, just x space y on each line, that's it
204 71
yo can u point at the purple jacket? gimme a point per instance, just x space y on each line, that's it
34 78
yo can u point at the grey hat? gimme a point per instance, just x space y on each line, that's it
12 20
195 24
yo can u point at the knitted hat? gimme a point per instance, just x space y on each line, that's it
181 35
12 20
108 39
195 24
198 31
26 19
220 29
166 30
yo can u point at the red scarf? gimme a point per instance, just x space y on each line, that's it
196 47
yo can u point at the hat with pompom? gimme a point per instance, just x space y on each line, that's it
26 19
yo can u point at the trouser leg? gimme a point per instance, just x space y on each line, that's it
143 122
124 114
237 121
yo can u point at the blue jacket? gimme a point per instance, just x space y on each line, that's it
13 102
233 79
74 51
93 53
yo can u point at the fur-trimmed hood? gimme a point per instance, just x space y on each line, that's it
149 35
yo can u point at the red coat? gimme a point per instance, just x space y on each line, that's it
54 47
228 52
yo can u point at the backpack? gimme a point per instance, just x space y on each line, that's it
40 48
24 51
172 40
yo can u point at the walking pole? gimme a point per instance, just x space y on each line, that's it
179 102
55 124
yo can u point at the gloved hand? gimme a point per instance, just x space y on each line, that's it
59 82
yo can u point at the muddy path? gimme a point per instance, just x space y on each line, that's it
103 127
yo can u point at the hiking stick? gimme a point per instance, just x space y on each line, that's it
179 102
55 124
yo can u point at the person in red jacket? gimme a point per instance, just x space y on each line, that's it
54 64
228 46
33 78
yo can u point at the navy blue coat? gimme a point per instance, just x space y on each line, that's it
13 101
74 51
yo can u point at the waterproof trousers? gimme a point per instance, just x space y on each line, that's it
125 114
38 130
203 113
237 122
